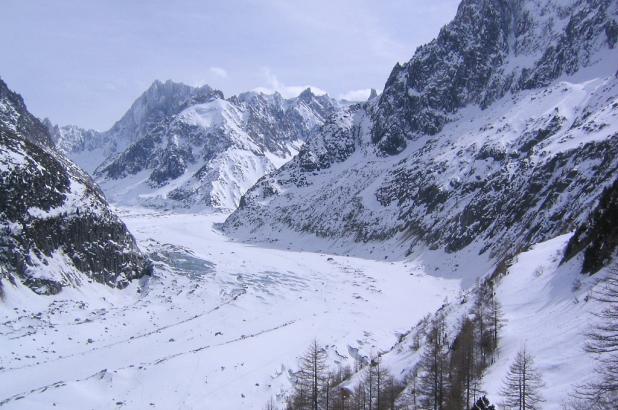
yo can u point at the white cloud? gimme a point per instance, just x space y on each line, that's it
287 91
356 95
219 72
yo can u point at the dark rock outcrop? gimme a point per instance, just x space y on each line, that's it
56 229
474 61
598 236
16 118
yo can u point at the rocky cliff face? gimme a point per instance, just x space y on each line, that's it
490 48
180 146
92 149
598 236
56 228
500 133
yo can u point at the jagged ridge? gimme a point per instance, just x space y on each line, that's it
185 146
499 163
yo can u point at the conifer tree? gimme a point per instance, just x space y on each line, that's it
309 387
603 343
463 368
433 383
522 384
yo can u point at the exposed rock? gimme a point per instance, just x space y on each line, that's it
468 144
490 48
14 117
181 146
598 236
56 228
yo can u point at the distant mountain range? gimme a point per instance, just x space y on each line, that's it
498 134
182 146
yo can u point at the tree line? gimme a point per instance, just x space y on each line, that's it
449 373
602 392
317 387
447 377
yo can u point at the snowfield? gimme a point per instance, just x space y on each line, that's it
219 326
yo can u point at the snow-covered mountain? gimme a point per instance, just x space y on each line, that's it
91 149
184 146
498 134
485 175
56 229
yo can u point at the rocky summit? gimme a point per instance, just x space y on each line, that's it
448 243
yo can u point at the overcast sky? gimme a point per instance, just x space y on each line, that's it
83 62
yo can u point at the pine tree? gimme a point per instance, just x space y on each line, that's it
432 387
270 405
463 368
497 320
309 387
603 343
522 384
480 319
377 382
410 399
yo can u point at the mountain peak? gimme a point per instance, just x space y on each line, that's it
490 48
15 117
307 94
159 101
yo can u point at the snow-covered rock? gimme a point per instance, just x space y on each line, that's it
502 132
180 146
15 118
56 229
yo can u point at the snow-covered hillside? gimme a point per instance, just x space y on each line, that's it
180 146
485 175
230 320
547 307
486 150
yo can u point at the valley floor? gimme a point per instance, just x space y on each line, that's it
219 326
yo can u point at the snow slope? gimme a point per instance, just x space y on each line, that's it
547 308
56 228
205 157
492 143
220 324
229 321
483 151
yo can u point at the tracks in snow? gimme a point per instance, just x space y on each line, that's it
143 365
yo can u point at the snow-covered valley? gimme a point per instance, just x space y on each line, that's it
221 324
218 326
450 243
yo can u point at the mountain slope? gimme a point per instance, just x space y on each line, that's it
450 156
56 227
91 149
533 290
